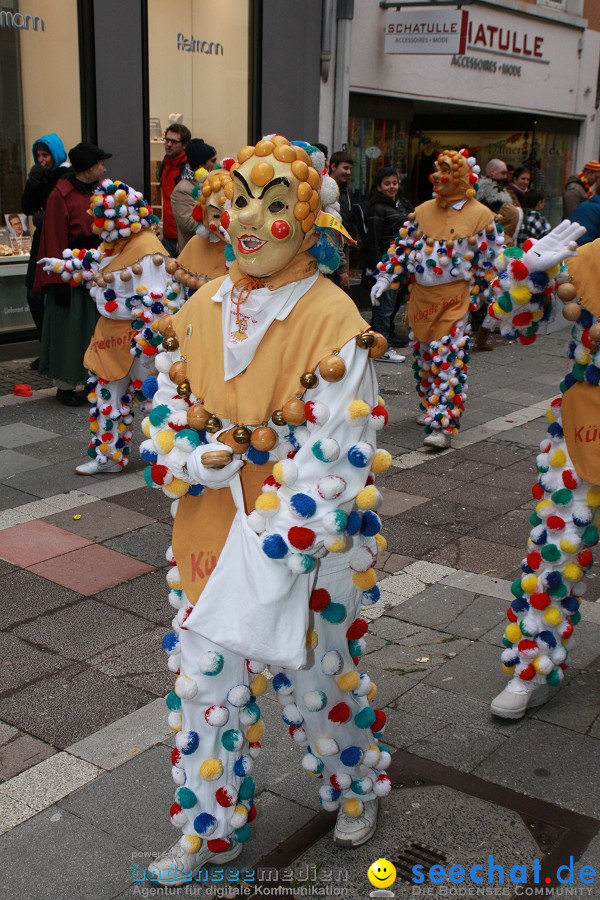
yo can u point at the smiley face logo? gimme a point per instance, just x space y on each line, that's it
382 873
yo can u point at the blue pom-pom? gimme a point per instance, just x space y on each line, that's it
586 319
274 546
191 744
281 681
519 605
109 294
371 524
553 579
303 505
241 766
592 374
539 280
571 604
555 430
371 596
204 822
351 756
149 456
195 490
170 641
357 457
354 520
258 457
548 638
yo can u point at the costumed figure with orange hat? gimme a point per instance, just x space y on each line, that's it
446 251
266 445
128 280
208 253
547 594
580 187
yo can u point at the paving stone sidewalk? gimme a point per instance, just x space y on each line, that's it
84 768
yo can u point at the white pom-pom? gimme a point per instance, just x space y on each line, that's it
315 700
174 720
291 714
331 663
330 487
317 158
175 599
217 716
238 695
317 413
255 666
384 761
371 757
287 472
364 686
256 522
174 506
178 775
361 559
174 662
343 781
558 655
326 746
173 577
186 687
329 190
382 786
326 450
163 362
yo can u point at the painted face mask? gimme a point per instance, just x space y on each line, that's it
454 176
275 201
211 201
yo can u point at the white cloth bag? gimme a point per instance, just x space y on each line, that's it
252 605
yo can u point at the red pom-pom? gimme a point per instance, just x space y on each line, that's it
567 631
511 615
340 713
519 270
585 558
570 480
528 244
175 809
158 473
252 813
522 320
319 599
197 213
380 720
539 600
270 482
357 629
150 351
175 756
218 845
537 491
224 797
586 339
527 339
227 162
111 305
380 412
555 523
334 782
534 560
528 673
526 644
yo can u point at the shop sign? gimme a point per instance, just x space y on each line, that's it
193 45
515 40
19 21
477 64
426 31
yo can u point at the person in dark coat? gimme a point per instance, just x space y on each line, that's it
49 164
69 317
588 215
387 212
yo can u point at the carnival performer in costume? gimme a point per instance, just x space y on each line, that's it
208 253
446 250
545 610
273 552
129 283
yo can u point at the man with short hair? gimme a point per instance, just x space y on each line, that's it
15 223
169 174
580 187
340 169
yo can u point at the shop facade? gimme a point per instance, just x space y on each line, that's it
520 85
118 74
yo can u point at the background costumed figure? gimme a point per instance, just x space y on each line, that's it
267 374
128 280
447 251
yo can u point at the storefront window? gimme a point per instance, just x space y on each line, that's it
375 143
39 93
199 69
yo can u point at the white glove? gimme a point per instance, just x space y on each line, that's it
557 245
212 478
381 285
49 264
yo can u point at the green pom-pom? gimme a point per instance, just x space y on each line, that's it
504 302
364 718
516 589
590 536
246 789
187 434
554 677
159 415
334 613
550 552
558 592
186 798
562 497
578 371
514 252
506 642
173 701
534 519
575 618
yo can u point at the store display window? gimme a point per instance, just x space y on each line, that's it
39 93
198 57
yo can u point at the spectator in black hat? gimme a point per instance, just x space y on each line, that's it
199 156
69 317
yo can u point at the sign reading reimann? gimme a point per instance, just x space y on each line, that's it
426 31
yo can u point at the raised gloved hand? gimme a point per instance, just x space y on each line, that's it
555 246
36 174
381 285
212 478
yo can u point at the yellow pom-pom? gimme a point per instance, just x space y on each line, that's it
240 811
353 807
381 542
174 579
259 685
146 427
380 401
365 580
572 572
143 211
520 295
267 502
278 472
255 732
558 459
94 427
512 633
372 692
358 409
200 173
337 545
348 681
539 668
529 583
537 315
568 546
593 497
508 670
103 448
550 417
176 488
381 462
312 639
135 227
368 498
121 427
165 440
553 616
191 843
211 769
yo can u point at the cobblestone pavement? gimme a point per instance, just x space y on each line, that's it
84 770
